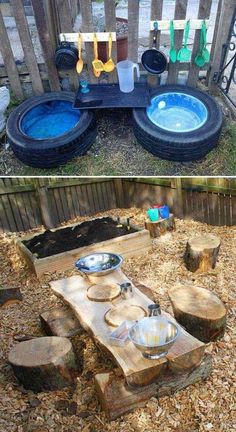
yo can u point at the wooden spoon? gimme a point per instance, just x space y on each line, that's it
98 65
80 63
109 66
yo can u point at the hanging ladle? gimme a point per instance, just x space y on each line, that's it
80 63
203 56
184 53
109 66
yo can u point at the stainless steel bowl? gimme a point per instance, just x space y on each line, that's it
99 264
153 337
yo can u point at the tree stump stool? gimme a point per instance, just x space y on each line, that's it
60 322
45 363
200 311
160 227
201 253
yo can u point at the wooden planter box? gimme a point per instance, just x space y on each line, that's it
128 245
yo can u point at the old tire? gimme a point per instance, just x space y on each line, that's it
50 152
183 146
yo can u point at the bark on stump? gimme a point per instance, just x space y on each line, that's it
200 311
160 227
9 296
46 363
201 253
60 322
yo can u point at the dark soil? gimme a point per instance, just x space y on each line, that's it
54 242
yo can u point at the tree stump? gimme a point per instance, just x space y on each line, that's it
46 363
201 253
160 227
200 311
9 296
60 322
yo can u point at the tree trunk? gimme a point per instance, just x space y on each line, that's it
160 227
200 311
201 253
45 363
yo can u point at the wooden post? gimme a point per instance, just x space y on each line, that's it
119 191
87 26
203 13
27 45
133 18
178 197
180 13
9 61
110 20
45 207
156 14
223 27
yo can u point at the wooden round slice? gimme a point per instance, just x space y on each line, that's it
116 315
102 292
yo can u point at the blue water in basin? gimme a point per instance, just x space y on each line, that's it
50 120
177 112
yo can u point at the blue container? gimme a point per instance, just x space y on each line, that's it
153 214
164 212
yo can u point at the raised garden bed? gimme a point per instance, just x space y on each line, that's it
58 249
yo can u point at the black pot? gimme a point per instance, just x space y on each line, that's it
154 61
66 56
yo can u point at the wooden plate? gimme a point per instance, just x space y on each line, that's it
117 314
102 292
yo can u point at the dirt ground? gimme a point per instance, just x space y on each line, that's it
205 406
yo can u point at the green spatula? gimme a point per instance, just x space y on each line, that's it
173 52
203 56
184 53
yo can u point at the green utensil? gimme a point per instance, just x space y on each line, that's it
203 55
184 53
173 52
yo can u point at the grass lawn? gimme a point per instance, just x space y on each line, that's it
116 152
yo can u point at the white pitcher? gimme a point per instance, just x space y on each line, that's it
125 71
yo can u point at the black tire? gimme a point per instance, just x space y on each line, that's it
181 147
50 153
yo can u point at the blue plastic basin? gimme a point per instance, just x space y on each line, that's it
50 120
177 112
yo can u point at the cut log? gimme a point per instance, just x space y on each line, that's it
9 296
46 363
60 322
201 253
116 398
200 311
103 293
186 353
160 227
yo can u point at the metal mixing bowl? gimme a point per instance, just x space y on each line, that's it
153 337
99 264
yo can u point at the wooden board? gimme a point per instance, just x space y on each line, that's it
116 315
185 354
102 292
130 245
117 399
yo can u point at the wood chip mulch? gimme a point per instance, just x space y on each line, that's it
205 406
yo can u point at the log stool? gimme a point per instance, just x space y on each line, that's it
60 322
44 363
160 227
200 311
201 253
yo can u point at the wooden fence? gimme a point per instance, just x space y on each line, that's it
29 203
58 16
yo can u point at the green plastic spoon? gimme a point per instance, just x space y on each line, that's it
205 51
173 52
203 56
184 53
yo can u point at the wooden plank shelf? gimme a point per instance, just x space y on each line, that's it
186 353
128 245
87 37
195 24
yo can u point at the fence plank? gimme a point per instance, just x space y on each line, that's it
156 14
203 13
66 26
133 34
87 26
44 36
222 28
9 61
180 13
27 45
110 20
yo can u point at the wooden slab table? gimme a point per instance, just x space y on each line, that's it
184 355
